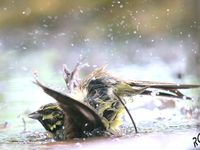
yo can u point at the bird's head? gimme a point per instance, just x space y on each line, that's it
51 116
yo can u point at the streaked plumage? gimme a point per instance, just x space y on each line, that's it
97 101
51 116
79 120
103 92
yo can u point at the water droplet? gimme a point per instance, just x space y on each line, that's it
185 97
87 40
86 124
78 144
27 11
137 50
154 93
122 22
45 25
24 47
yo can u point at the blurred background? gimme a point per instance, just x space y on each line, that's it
138 39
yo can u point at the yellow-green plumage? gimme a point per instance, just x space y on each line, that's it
97 102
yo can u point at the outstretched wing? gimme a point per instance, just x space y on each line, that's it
82 115
170 87
162 85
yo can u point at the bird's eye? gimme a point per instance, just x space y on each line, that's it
48 111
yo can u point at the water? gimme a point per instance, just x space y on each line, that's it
158 128
157 140
154 133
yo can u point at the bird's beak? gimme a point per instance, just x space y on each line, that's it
34 115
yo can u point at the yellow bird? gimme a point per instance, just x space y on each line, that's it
98 101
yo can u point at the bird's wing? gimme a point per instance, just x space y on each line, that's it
170 87
162 85
78 109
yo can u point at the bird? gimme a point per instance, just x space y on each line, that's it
68 118
108 94
99 101
51 116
